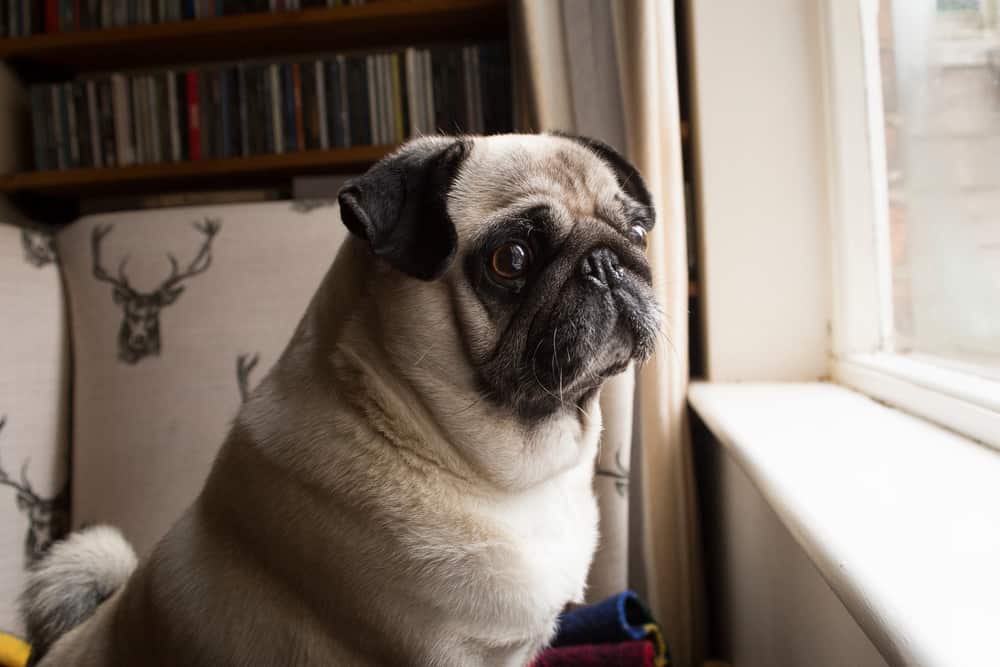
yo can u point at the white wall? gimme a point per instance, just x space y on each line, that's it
770 605
759 134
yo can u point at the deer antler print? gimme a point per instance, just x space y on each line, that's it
48 518
245 363
209 227
139 335
120 282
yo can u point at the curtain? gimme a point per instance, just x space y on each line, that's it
608 69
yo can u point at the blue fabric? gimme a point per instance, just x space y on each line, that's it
619 618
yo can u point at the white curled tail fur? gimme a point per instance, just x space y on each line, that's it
71 581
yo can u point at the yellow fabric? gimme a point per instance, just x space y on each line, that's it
13 651
654 634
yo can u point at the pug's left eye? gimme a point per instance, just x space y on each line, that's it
510 261
637 234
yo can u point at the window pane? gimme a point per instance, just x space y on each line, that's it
940 63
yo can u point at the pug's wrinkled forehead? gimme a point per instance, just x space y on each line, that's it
509 173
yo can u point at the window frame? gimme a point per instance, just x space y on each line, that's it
861 318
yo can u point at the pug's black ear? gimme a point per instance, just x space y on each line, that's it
400 206
628 176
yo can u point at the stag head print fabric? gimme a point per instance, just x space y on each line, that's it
34 363
177 314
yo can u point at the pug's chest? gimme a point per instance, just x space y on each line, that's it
545 544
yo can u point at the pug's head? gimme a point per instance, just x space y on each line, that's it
512 267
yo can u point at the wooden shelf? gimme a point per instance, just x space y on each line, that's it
380 24
264 170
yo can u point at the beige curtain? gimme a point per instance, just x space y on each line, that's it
608 68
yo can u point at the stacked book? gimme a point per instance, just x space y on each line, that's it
253 108
19 18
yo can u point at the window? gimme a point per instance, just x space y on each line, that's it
940 73
913 97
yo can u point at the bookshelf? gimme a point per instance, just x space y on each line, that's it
382 23
378 24
262 170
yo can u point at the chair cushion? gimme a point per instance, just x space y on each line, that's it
175 312
34 365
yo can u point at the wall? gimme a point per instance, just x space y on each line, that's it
758 130
770 606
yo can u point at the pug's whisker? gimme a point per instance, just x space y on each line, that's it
556 366
538 381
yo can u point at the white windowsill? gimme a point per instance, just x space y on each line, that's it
900 516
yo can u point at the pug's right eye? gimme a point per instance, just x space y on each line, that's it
510 261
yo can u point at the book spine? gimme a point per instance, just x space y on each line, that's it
244 110
156 119
412 100
371 79
173 116
194 116
264 109
56 160
398 97
310 107
138 119
456 95
477 82
467 121
38 95
180 84
163 94
383 95
343 107
93 116
300 135
83 124
331 75
107 114
148 115
123 129
502 84
360 105
288 104
235 139
427 76
217 118
225 127
69 104
385 83
276 106
51 15
319 71
206 110
255 112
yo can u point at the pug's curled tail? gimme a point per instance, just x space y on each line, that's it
70 582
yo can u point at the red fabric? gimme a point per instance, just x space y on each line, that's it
623 654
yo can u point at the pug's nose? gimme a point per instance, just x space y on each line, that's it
601 267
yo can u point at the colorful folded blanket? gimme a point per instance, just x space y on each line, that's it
623 654
616 631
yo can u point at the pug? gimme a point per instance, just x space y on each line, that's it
411 483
